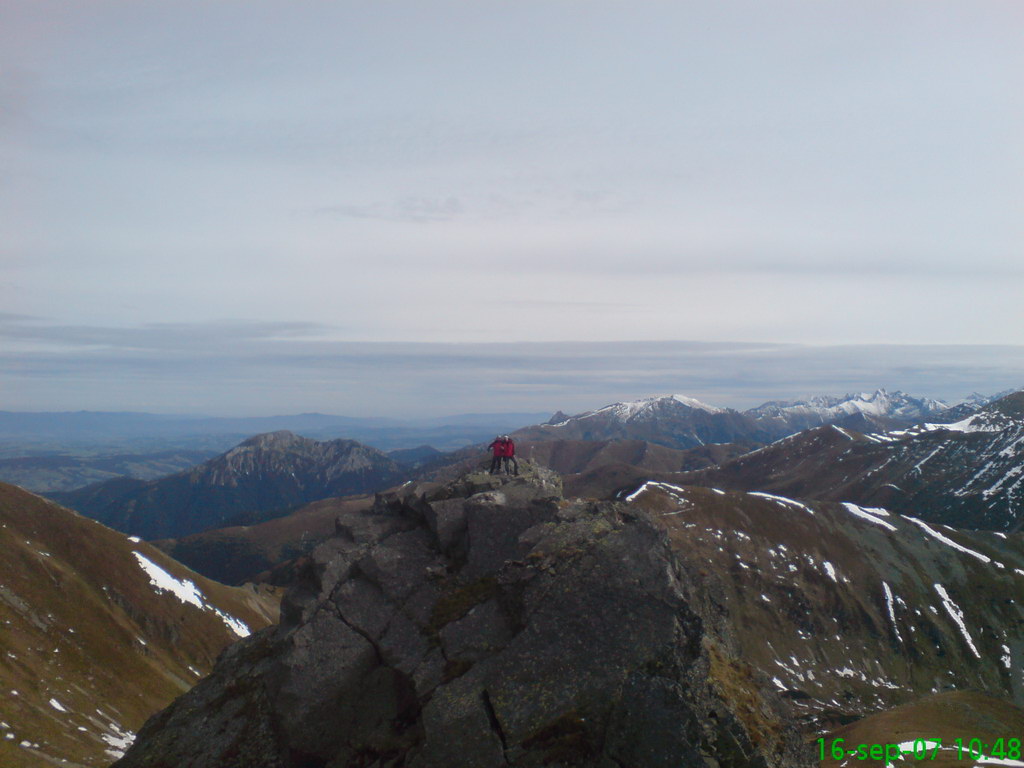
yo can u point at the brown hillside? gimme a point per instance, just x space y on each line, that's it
90 648
935 723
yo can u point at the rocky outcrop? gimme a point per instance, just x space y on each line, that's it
488 622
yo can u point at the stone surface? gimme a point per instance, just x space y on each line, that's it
484 623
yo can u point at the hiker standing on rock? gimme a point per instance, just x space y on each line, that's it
497 454
509 456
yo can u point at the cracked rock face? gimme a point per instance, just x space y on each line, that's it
485 623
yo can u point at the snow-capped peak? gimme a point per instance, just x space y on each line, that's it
693 402
632 409
877 403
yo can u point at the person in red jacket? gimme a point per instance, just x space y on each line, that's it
509 457
497 454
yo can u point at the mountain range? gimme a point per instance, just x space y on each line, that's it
966 473
678 421
60 452
643 594
125 432
262 477
264 551
874 410
832 463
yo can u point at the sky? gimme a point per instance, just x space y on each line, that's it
424 207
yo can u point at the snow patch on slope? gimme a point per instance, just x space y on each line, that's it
957 615
187 592
118 741
674 491
975 423
781 500
892 611
948 541
870 513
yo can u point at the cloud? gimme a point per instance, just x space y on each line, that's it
406 209
11 319
236 368
825 174
193 338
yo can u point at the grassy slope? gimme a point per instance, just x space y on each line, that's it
964 715
83 626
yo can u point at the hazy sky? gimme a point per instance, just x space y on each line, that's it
287 179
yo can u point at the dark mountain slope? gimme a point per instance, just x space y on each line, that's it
414 458
96 635
238 554
264 476
969 473
575 456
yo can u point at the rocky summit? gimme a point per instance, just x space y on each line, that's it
484 622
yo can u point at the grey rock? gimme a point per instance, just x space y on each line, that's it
500 627
398 564
493 529
459 732
484 630
447 521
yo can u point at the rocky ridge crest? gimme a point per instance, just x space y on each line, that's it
486 622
